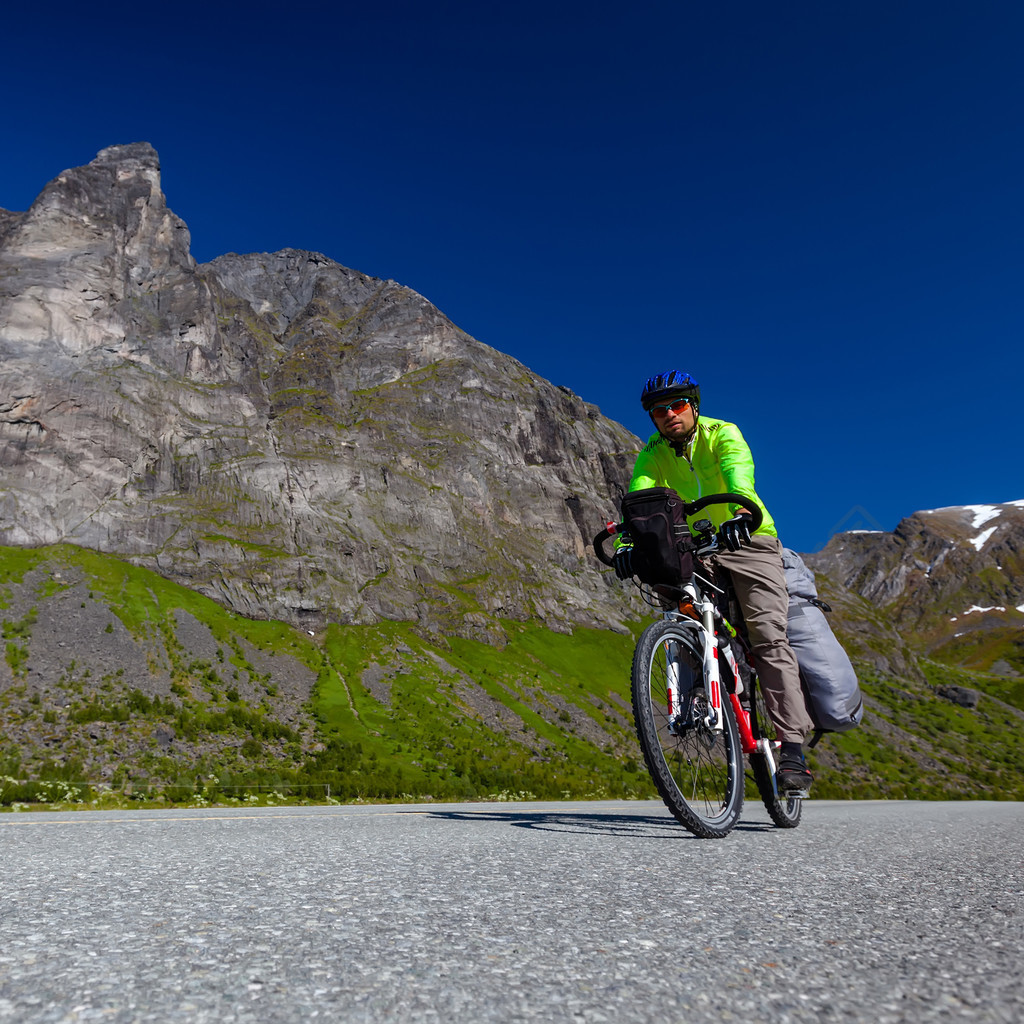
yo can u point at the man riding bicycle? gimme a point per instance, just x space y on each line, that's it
697 455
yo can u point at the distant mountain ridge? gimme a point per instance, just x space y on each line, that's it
951 580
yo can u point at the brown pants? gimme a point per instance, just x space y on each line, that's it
760 584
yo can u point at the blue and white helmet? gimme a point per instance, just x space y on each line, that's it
666 386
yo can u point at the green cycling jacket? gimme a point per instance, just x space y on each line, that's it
718 460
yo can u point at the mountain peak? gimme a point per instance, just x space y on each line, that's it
141 152
979 522
81 270
295 438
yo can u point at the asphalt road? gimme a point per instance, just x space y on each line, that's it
589 912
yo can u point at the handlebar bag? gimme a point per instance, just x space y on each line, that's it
834 697
662 544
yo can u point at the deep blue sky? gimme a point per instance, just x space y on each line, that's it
817 209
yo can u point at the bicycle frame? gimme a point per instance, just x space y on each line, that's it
704 627
750 745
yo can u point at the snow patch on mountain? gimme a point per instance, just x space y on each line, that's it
980 515
979 541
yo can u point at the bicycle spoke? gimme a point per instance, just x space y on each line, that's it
695 767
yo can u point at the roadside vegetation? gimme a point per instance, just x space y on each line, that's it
122 689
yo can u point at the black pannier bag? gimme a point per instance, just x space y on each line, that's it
834 697
662 543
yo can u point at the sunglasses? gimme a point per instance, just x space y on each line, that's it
676 407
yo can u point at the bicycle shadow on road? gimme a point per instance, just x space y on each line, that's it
597 823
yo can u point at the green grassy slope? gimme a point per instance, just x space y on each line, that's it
162 691
119 685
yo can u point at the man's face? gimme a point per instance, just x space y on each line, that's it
674 419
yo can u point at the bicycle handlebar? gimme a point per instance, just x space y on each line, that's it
689 509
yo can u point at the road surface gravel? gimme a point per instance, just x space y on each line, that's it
579 912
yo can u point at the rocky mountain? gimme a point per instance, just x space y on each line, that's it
933 616
289 436
203 465
949 580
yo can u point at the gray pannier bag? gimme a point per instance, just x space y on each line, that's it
833 693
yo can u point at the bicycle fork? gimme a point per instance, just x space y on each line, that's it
712 671
712 718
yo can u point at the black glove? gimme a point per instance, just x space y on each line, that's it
735 532
623 562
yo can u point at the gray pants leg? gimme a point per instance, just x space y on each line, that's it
760 583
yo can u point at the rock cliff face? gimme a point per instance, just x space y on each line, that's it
284 434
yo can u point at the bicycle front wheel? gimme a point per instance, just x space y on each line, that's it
697 769
784 810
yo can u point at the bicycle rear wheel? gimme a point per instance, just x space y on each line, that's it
697 770
782 809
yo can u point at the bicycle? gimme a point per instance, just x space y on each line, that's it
692 740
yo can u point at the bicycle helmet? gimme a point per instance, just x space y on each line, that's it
666 386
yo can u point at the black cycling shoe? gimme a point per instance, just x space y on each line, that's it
793 775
